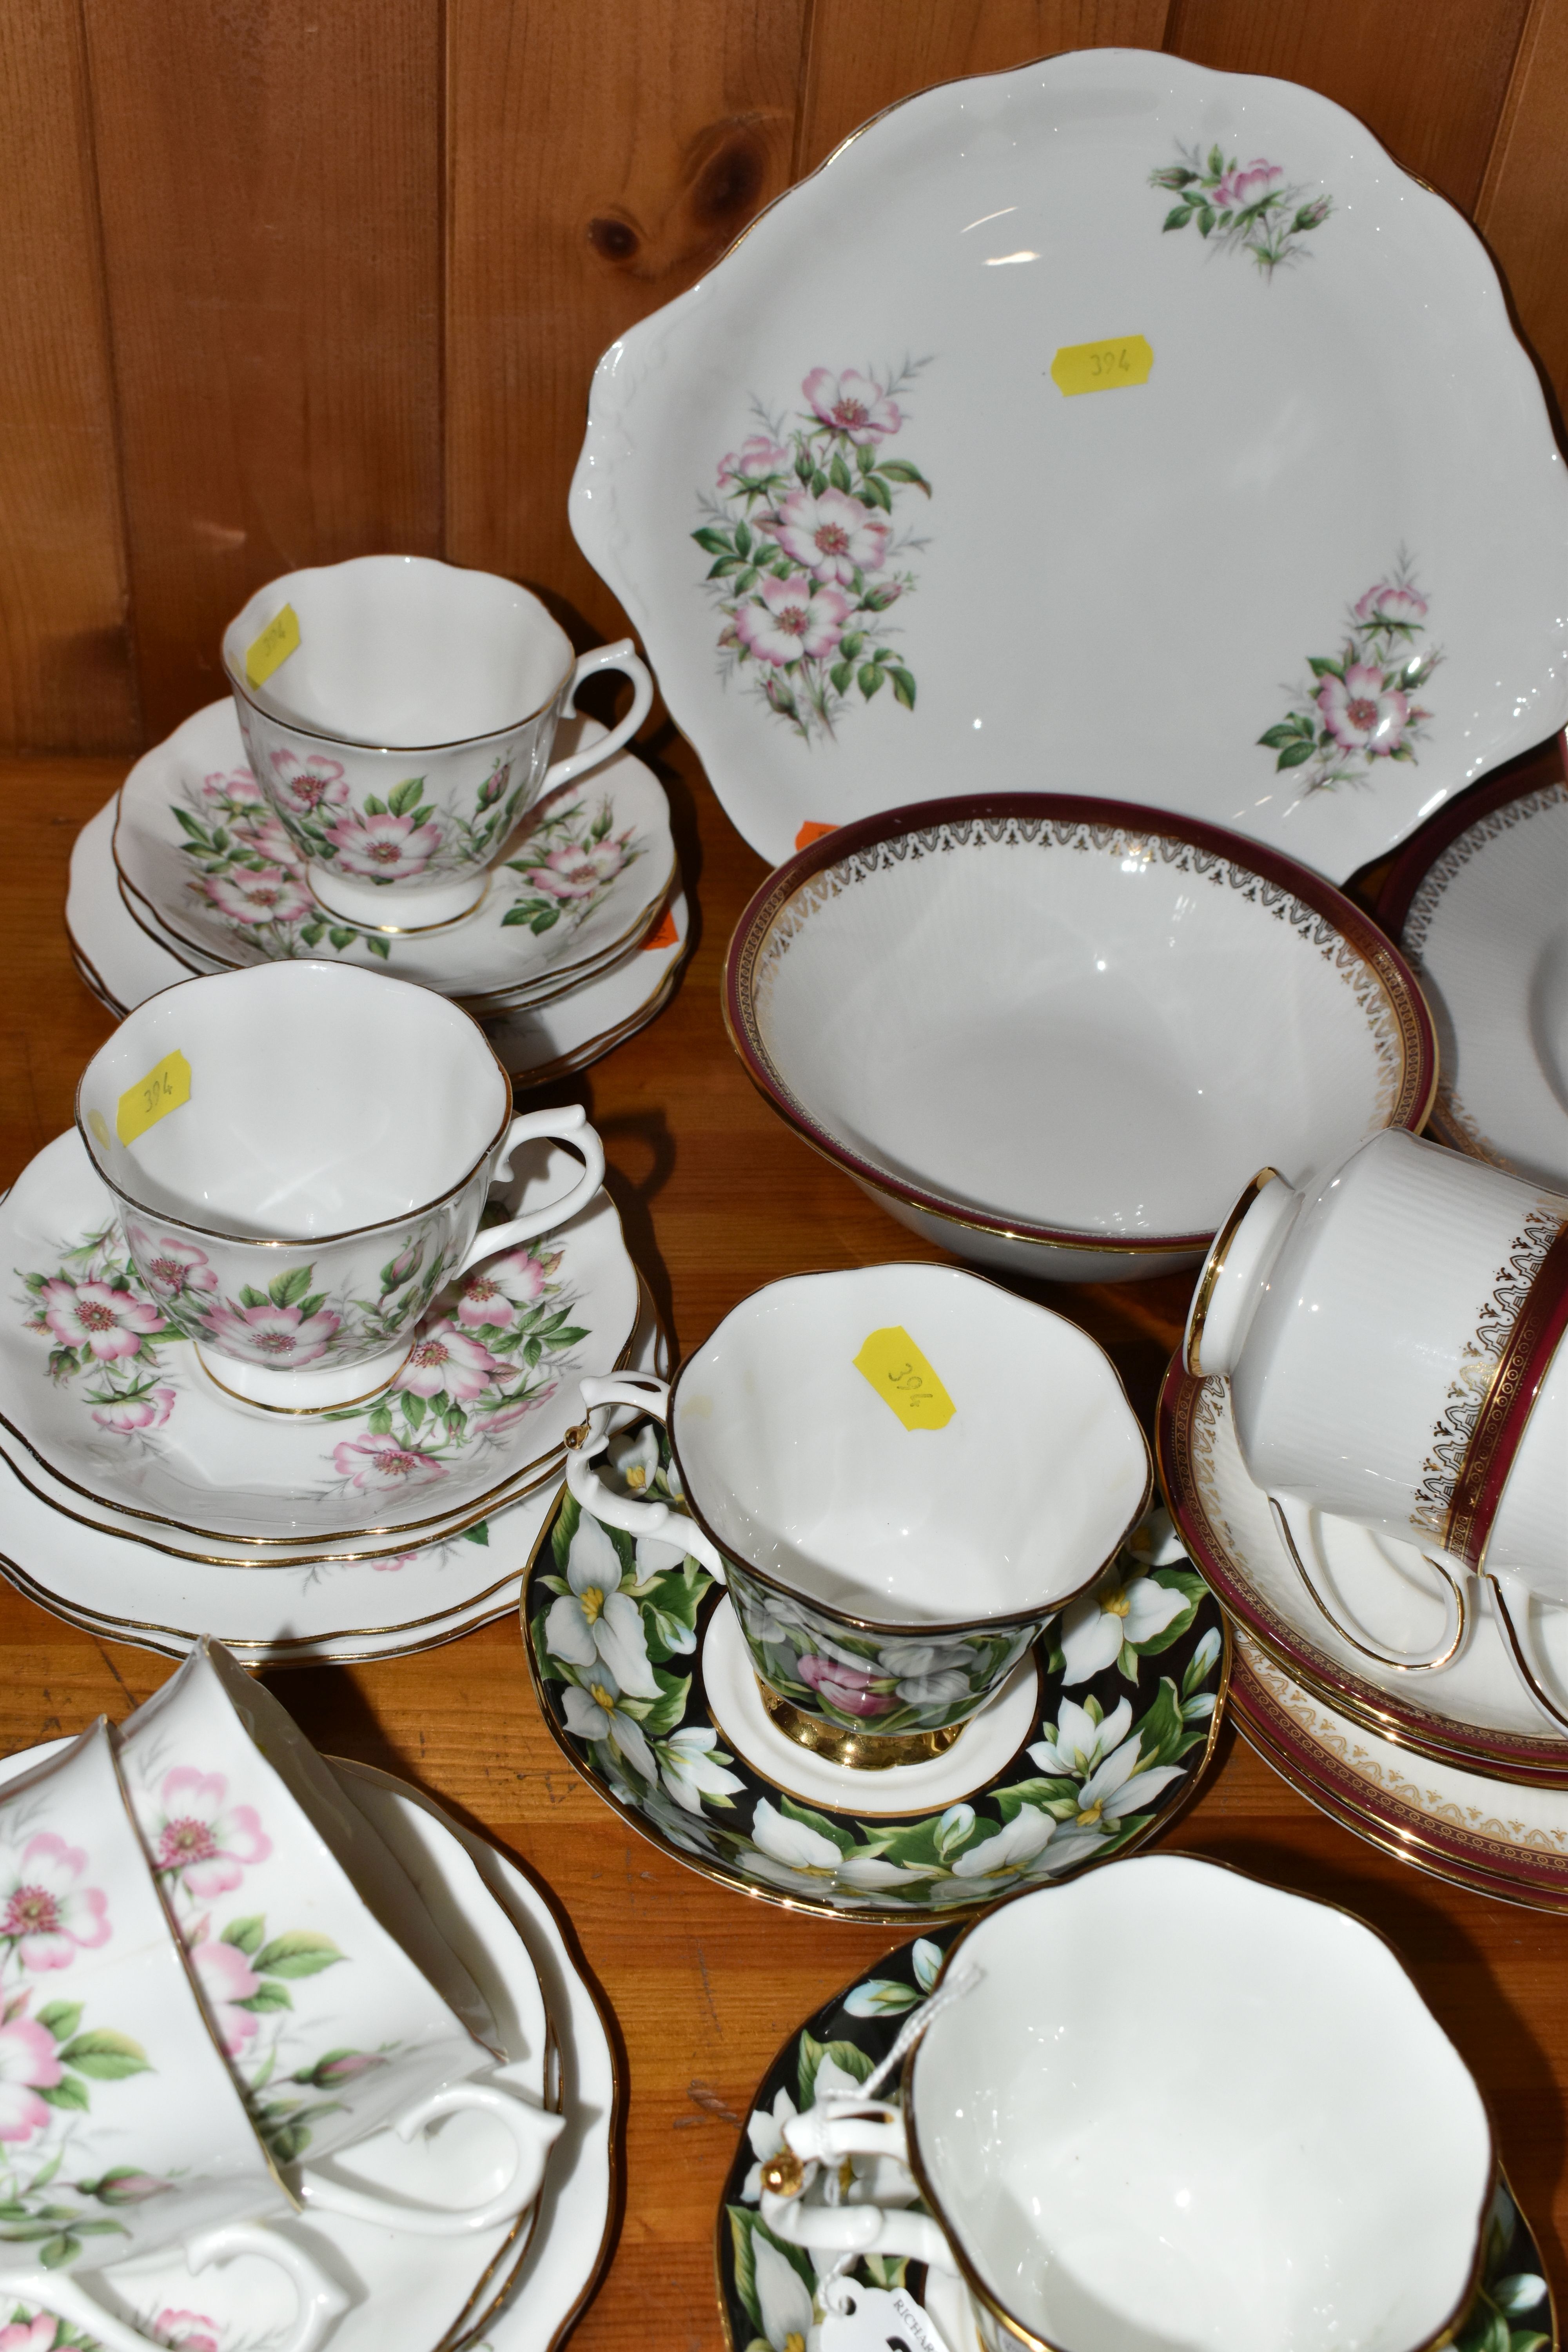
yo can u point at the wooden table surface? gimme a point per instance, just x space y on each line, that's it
717 1197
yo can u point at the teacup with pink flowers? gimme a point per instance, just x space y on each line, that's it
338 2006
410 728
120 2130
296 1213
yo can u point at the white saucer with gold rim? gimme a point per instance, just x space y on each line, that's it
209 871
119 1414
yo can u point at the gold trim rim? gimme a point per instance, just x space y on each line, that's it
280 1543
1422 1852
934 1627
298 1242
985 2295
599 2002
1214 1266
870 1915
1186 1503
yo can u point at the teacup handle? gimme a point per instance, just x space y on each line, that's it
617 656
1519 1641
1456 1613
319 2300
567 1125
533 2133
590 1492
826 2133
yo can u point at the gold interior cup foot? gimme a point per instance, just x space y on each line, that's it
862 1751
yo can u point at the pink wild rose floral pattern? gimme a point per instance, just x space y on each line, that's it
808 531
54 2062
490 1352
1239 207
249 876
203 1843
1361 706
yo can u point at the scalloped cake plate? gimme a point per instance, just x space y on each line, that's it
206 866
1302 572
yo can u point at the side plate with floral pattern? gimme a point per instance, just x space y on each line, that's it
1132 1683
208 870
767 2291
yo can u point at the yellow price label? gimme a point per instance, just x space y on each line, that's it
272 648
904 1379
1102 367
165 1087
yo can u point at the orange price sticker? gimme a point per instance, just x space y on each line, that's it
904 1379
1105 366
811 831
665 937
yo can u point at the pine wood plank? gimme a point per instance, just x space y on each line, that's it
865 54
603 157
1428 82
65 678
1522 210
271 186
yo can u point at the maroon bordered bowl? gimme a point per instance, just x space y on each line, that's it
1057 1034
1475 902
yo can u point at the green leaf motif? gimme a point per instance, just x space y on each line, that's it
61 2018
405 796
301 1953
106 2057
66 2093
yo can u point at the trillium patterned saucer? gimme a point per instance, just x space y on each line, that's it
97 1390
1479 904
1090 1748
416 2294
207 868
1510 1844
123 964
1114 419
1473 1715
770 2294
312 1614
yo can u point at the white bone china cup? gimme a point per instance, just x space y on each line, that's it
313 1170
399 714
123 2131
902 1473
1392 1344
339 2008
1161 2105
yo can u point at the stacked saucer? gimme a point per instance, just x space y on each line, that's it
223 1915
1455 1772
275 1366
572 948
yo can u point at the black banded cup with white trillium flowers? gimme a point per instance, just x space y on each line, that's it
902 1474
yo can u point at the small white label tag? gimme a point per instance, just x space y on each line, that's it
881 2320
